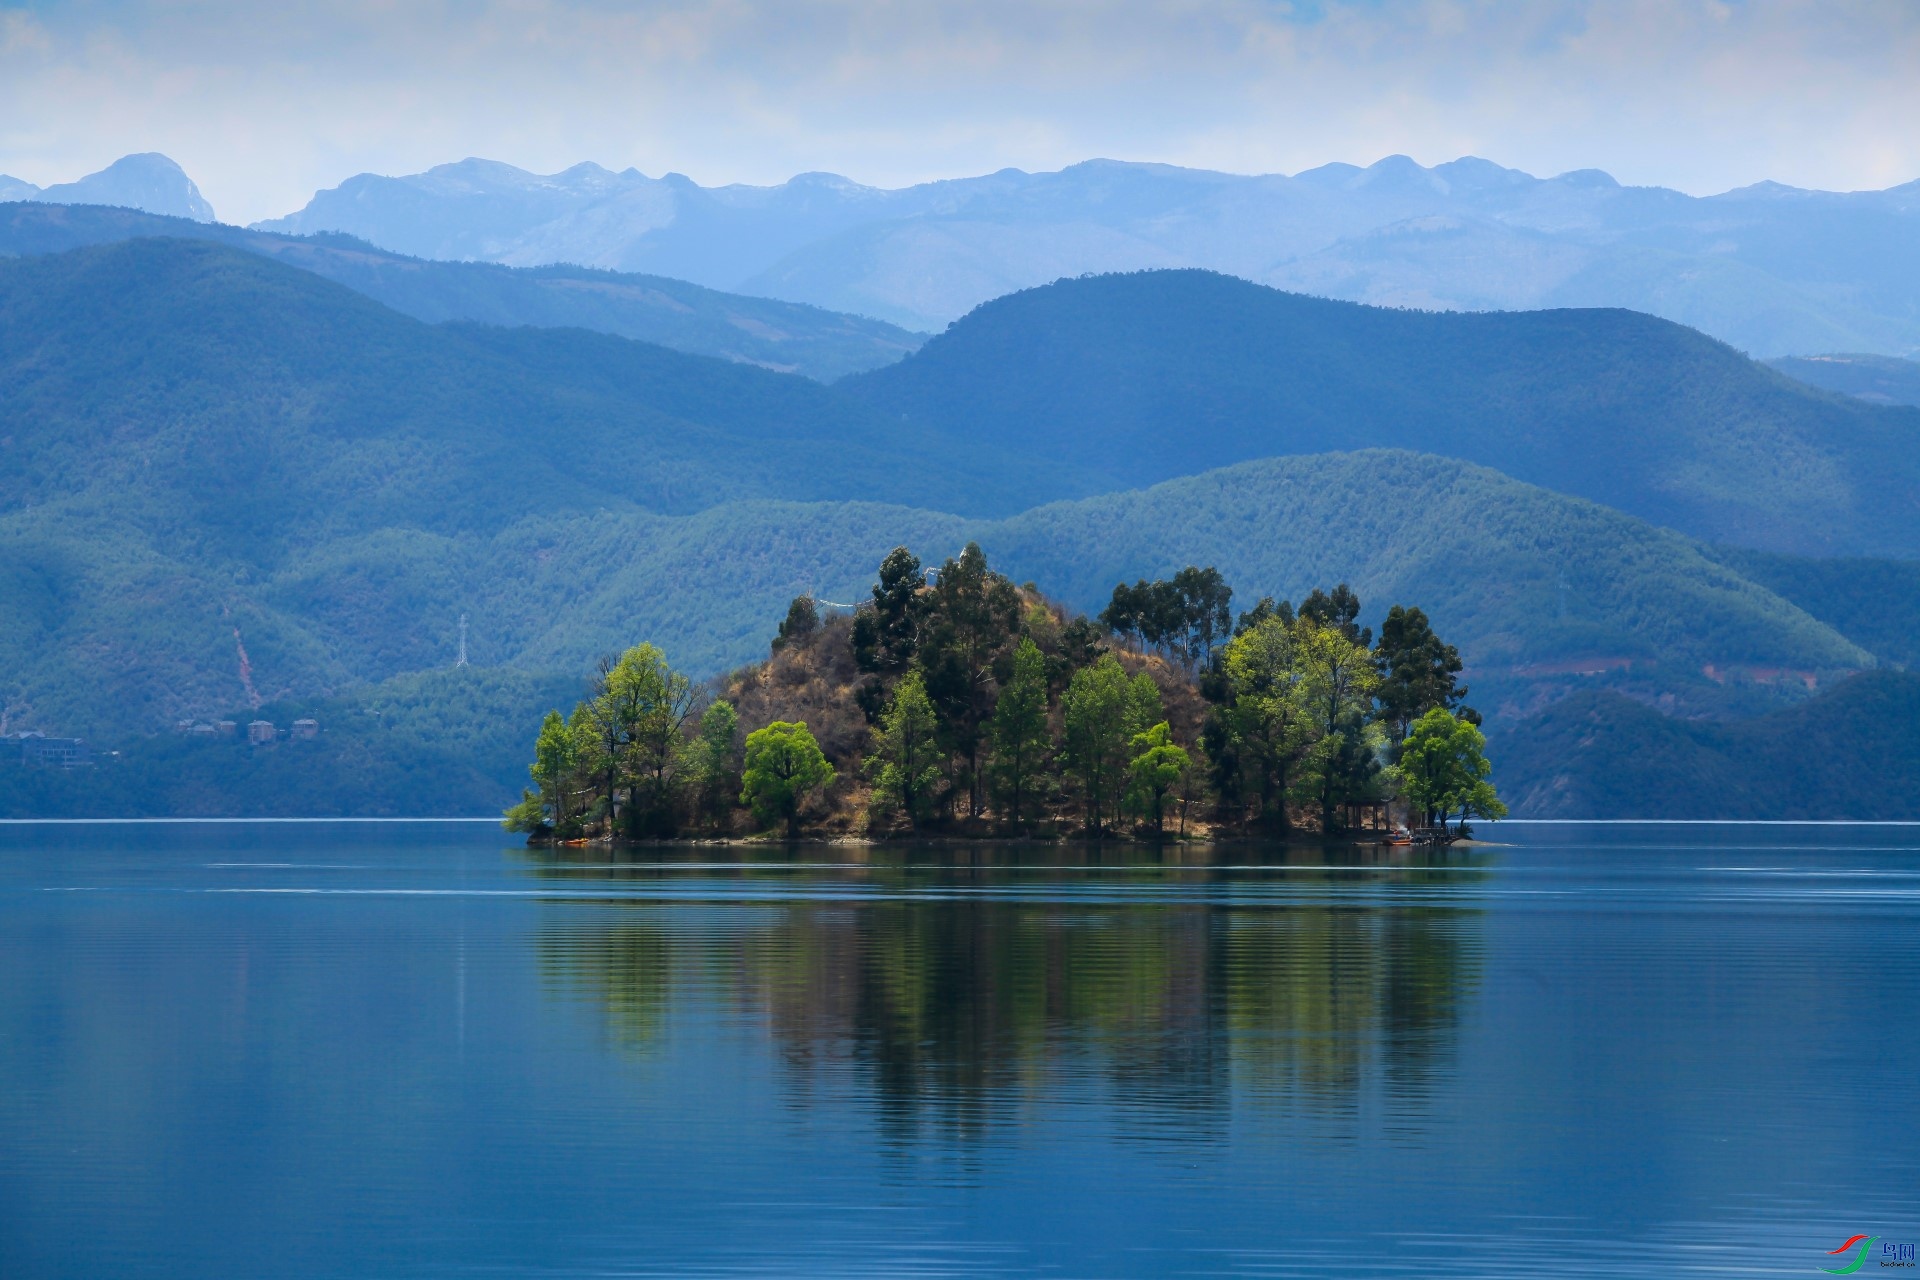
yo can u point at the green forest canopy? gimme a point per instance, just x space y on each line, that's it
990 707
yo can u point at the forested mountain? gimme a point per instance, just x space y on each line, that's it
183 424
231 485
778 335
1880 379
1849 753
244 405
1119 381
120 620
1770 269
1545 595
1874 603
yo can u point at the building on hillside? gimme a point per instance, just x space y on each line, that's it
305 729
54 753
226 728
261 732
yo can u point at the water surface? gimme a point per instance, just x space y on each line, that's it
334 1050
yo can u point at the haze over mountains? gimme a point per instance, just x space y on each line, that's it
212 433
199 438
1119 381
778 335
1770 269
1878 379
148 181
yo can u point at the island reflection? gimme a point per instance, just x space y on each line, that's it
959 984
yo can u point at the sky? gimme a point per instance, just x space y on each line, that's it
265 103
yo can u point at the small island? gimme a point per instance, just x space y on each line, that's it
956 703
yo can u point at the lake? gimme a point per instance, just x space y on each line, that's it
368 1050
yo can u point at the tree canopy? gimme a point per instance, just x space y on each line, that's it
957 700
784 767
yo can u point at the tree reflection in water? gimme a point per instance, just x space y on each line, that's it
964 983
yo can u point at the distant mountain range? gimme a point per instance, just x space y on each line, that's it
784 336
1772 270
198 438
149 181
226 477
1126 380
1878 379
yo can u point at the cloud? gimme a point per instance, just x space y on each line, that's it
262 104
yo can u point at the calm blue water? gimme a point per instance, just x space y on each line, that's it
274 1051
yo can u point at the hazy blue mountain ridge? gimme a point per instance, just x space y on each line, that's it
778 335
124 639
199 439
1122 381
1878 379
1770 269
227 479
1849 753
148 181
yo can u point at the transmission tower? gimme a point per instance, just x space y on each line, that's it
461 661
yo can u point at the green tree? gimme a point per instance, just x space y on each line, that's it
1480 801
1443 767
1337 680
1020 737
713 762
606 722
1417 672
784 766
1263 724
1182 618
1158 764
972 616
652 703
1263 609
887 635
1143 704
905 765
556 759
1094 710
1080 646
588 766
529 816
800 624
1339 611
1206 611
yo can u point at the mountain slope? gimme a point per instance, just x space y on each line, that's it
778 335
110 623
1875 603
238 403
1851 752
149 181
1879 379
1118 381
1521 576
1769 269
